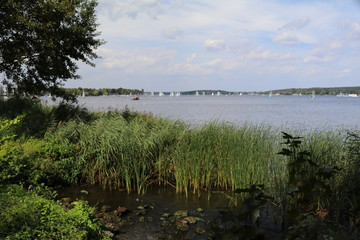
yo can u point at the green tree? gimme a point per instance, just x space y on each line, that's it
42 41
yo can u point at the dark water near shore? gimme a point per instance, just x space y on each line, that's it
299 112
166 196
159 202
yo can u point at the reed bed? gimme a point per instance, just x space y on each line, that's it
222 156
131 153
117 153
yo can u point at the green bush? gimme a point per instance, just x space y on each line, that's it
35 161
19 161
38 118
25 215
8 128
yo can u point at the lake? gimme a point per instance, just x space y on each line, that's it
285 112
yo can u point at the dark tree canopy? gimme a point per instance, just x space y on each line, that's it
41 42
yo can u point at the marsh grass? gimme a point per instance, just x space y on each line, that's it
220 156
132 150
117 153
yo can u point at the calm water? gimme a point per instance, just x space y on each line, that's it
299 112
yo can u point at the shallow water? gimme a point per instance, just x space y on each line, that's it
158 201
165 197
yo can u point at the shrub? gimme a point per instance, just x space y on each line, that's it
25 215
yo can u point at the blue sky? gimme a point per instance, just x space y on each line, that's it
235 45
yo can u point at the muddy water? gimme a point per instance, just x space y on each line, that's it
158 205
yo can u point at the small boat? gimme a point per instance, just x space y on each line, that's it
313 95
135 98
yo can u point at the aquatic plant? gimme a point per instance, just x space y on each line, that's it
118 153
220 155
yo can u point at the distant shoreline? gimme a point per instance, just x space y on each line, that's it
341 91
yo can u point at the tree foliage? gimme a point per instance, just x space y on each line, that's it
42 41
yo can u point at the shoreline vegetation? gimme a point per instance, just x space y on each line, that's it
310 180
340 91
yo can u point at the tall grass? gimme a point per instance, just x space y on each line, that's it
117 153
220 155
134 152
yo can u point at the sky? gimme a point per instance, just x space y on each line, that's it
233 45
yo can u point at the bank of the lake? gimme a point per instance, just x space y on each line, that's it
127 151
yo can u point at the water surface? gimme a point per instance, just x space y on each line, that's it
300 112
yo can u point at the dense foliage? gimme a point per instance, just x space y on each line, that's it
26 215
41 42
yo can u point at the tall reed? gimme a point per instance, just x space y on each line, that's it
220 155
118 153
142 149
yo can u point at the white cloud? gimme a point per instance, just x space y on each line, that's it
283 69
356 27
192 57
130 8
174 33
317 59
188 69
264 54
296 24
335 44
356 30
344 73
260 53
212 44
312 71
135 61
287 39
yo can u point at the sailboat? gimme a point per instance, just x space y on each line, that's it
313 95
83 93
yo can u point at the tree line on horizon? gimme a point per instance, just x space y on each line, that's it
317 91
287 91
103 91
